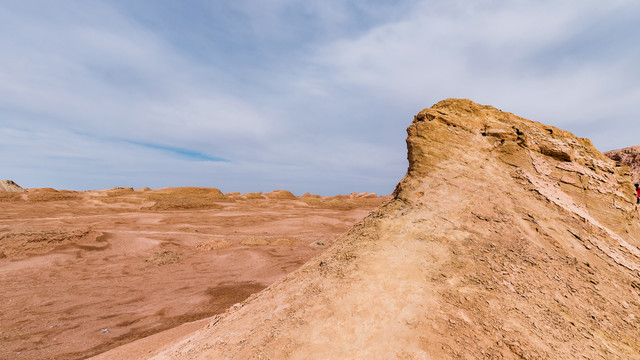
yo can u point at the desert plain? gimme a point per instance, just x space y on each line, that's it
85 272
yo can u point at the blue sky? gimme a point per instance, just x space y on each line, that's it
301 95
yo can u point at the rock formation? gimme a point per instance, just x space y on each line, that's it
280 194
506 239
10 186
629 156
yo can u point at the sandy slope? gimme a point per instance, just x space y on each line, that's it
507 239
138 262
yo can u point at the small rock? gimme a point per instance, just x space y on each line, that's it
104 331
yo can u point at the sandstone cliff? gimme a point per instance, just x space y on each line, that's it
629 156
506 239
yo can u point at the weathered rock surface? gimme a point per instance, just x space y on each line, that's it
10 186
629 156
506 239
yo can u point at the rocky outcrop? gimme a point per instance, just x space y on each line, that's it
10 186
280 194
506 239
628 156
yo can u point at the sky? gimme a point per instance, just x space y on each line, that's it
304 95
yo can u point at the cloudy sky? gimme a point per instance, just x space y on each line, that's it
305 95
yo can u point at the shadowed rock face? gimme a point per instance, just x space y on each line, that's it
506 239
10 186
628 156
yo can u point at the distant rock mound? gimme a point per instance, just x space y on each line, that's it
506 239
363 195
10 186
629 156
280 194
182 198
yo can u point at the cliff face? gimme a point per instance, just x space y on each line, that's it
506 239
628 156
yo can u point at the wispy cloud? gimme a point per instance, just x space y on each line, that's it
310 96
190 154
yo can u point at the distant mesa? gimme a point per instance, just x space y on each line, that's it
506 239
10 186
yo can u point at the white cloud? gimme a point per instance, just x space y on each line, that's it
487 51
105 75
313 94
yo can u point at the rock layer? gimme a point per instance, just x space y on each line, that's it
506 239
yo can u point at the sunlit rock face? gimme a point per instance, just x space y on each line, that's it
506 239
10 186
628 156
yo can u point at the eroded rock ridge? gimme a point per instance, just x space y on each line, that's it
506 239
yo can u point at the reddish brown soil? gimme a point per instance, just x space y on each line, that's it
84 272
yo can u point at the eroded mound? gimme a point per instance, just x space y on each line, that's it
506 239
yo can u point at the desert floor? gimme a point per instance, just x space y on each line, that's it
85 272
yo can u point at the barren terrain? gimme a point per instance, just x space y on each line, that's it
83 272
506 239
